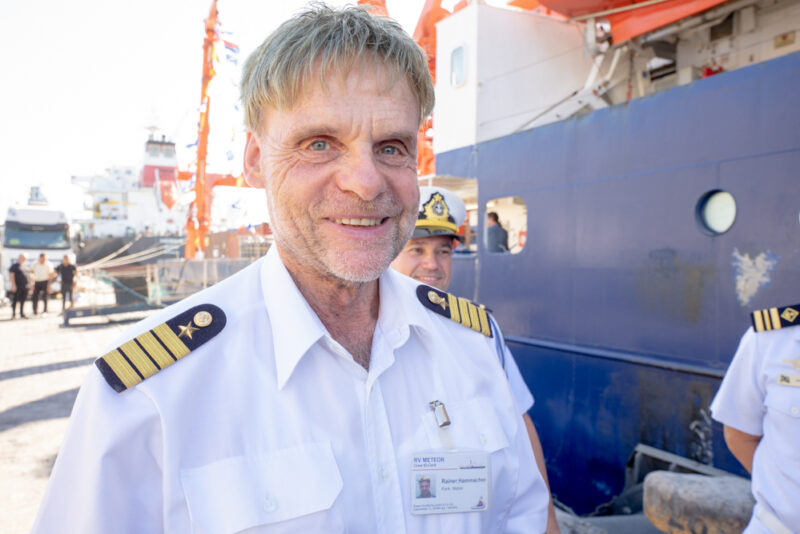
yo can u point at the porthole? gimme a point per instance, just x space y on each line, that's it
716 212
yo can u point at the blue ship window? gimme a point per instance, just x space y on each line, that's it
510 232
458 67
716 212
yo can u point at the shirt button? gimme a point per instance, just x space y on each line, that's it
270 505
483 439
795 410
383 473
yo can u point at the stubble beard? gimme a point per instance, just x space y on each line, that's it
345 265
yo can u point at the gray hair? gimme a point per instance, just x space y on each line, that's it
320 40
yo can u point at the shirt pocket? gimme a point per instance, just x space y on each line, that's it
286 490
473 425
783 420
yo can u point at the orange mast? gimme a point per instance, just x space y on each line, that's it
197 225
425 36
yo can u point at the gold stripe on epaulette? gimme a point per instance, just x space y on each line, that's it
463 308
775 318
475 323
122 368
758 321
767 323
139 359
486 329
171 341
156 351
453 301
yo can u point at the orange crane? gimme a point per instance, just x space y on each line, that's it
425 36
199 219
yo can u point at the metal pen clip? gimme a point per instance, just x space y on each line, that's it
440 412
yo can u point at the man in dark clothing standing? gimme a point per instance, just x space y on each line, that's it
67 271
496 235
19 286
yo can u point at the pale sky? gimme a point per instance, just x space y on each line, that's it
83 79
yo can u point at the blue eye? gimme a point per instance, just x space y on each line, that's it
319 145
390 150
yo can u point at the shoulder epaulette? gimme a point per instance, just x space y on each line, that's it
775 318
158 348
458 309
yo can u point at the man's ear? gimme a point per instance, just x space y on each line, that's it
253 169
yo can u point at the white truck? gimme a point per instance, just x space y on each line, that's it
34 230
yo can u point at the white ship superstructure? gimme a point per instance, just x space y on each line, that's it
125 201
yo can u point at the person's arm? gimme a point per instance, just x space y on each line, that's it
538 453
742 445
12 275
529 513
525 402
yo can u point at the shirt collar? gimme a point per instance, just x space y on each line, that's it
400 308
295 326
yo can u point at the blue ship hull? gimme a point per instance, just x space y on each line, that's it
623 315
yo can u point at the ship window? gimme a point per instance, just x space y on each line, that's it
723 29
458 67
510 231
716 212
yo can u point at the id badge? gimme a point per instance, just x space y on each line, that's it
448 481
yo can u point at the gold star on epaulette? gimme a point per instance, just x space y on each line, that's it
158 348
187 330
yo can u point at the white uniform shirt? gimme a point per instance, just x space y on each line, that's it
42 271
272 427
751 400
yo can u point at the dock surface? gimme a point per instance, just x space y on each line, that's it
42 365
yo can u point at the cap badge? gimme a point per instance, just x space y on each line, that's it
436 208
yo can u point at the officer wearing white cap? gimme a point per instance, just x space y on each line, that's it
427 258
758 403
427 255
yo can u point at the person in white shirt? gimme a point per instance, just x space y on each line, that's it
43 273
317 385
428 258
758 403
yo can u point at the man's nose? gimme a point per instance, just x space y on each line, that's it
429 261
361 174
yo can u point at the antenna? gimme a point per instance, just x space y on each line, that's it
152 130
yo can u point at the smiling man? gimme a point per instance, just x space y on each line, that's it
307 392
428 258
